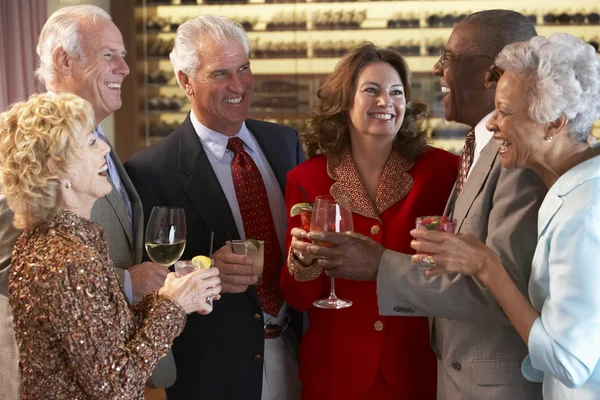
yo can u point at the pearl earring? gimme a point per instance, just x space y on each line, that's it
548 138
68 184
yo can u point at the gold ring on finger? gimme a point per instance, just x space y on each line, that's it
428 260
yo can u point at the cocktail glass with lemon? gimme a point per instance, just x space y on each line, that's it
186 267
255 249
305 212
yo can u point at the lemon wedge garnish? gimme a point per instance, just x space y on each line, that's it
201 262
254 243
297 208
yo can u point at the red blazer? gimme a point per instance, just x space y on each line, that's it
343 350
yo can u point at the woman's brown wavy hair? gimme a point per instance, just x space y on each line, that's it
328 131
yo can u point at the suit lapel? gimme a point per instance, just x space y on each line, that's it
203 188
474 182
273 152
114 198
136 207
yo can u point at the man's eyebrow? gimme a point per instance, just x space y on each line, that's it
113 50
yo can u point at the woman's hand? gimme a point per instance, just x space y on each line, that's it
460 253
299 245
191 290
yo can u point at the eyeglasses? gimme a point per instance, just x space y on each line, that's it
446 57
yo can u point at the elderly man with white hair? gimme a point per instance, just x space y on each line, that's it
81 51
228 172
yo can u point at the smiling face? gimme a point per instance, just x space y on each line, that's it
222 89
88 173
521 139
379 103
98 77
462 71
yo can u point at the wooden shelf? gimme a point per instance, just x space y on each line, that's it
374 28
287 66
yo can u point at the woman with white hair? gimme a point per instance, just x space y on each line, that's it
547 99
78 337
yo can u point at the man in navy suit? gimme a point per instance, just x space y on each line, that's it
239 351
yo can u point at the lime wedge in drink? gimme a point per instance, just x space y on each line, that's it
201 262
297 208
254 243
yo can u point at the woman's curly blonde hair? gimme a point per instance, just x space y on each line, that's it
328 131
39 140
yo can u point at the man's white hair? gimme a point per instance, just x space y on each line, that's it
63 30
191 36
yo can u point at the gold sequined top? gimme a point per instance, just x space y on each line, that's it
78 336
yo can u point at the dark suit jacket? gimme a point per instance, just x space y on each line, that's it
220 355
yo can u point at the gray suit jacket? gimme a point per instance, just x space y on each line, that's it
126 249
479 351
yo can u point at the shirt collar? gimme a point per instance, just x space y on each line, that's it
482 135
216 143
395 183
576 176
100 133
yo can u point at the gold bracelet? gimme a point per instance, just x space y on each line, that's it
300 272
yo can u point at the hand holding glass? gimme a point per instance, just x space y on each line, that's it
255 249
436 223
330 215
183 268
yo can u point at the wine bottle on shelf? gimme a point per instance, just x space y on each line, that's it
413 20
550 18
448 20
434 20
564 18
593 18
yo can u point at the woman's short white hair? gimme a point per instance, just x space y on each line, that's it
63 30
191 36
565 79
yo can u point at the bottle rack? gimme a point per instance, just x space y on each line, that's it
295 44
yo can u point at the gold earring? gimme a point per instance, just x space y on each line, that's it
68 184
548 138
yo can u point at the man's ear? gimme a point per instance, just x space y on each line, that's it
62 61
556 127
492 76
184 80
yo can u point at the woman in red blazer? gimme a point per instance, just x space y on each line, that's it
371 150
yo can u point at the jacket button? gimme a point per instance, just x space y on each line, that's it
258 357
257 317
456 365
375 229
378 325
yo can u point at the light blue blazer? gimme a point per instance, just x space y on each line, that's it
564 342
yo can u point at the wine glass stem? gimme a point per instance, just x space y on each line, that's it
332 295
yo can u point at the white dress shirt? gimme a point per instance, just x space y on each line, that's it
215 146
482 138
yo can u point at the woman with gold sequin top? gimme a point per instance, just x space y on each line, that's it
78 337
372 151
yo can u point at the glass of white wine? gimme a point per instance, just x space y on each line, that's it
165 235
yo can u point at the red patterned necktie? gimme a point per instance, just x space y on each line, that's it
258 222
465 161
